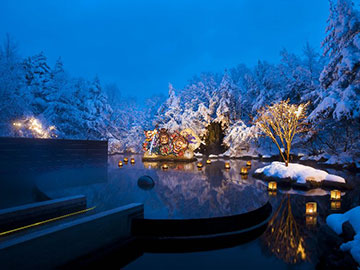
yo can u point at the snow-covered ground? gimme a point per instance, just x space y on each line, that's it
335 222
297 172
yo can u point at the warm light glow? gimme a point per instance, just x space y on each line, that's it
311 220
208 161
33 127
244 170
335 205
311 208
165 166
132 160
244 176
272 186
199 165
335 194
126 159
227 165
248 163
120 163
272 193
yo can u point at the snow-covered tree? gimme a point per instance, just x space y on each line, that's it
340 78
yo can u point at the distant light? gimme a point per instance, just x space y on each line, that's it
227 165
165 166
208 161
248 164
272 186
132 161
199 165
244 170
120 164
126 159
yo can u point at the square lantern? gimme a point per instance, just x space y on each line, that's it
227 165
248 164
132 160
244 170
126 160
120 163
311 220
272 186
200 165
335 205
335 195
311 208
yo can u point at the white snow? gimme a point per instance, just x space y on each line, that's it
198 155
335 222
213 156
297 172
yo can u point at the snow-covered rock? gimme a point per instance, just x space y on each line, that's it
335 222
297 172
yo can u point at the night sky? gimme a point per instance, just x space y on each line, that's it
144 45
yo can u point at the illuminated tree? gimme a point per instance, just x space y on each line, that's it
281 122
283 236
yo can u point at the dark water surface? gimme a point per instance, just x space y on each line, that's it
291 240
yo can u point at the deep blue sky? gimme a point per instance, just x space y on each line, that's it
144 45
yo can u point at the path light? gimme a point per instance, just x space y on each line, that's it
120 163
311 208
208 161
335 205
272 186
248 164
335 195
165 166
227 165
126 159
199 165
244 170
132 160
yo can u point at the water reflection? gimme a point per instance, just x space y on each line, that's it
283 236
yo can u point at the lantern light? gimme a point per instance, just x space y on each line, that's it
120 163
165 166
248 164
272 193
335 195
244 176
132 160
227 165
244 170
311 208
335 205
272 186
199 165
208 161
311 220
126 159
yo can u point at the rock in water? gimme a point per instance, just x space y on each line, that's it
146 182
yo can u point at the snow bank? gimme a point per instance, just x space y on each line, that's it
297 172
335 222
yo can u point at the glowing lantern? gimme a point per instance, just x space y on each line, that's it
132 160
272 193
199 165
335 195
311 208
120 163
335 205
244 176
272 186
126 160
311 220
165 166
227 165
208 161
244 170
248 164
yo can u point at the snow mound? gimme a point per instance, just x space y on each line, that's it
297 172
335 222
198 154
213 156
